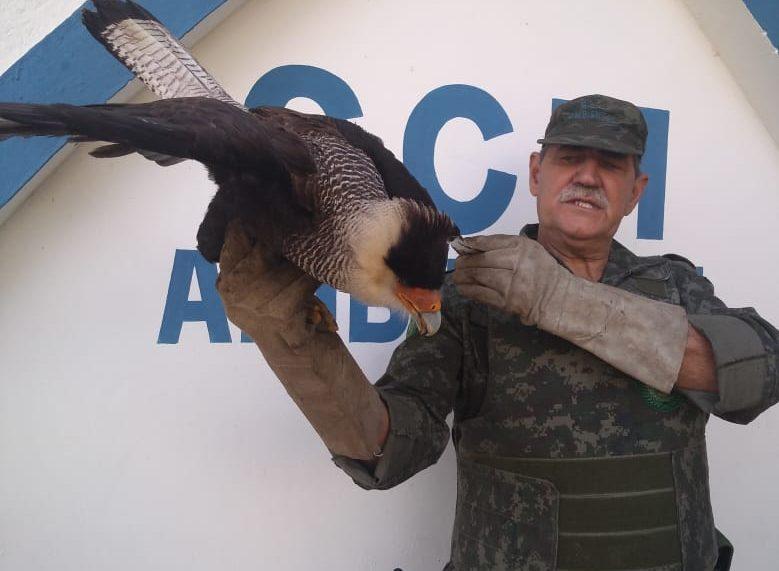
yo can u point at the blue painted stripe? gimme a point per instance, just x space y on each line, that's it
70 66
766 12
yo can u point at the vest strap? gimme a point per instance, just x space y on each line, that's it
615 512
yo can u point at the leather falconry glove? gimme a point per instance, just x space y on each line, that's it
273 301
641 337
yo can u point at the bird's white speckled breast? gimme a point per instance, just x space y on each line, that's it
347 185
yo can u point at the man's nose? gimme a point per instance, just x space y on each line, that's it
587 173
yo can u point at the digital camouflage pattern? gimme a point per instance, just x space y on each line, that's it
696 527
599 122
521 393
517 532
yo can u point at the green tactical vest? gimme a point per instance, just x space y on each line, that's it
566 463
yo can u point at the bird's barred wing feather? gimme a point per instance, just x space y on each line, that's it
140 42
398 181
206 130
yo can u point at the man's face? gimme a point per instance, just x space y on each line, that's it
583 193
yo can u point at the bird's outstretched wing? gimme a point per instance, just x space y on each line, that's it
253 161
139 41
207 130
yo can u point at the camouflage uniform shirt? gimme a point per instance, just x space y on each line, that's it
520 393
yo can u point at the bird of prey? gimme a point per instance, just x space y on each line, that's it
319 191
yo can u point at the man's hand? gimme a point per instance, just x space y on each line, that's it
641 337
513 273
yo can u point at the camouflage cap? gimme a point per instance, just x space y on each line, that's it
599 122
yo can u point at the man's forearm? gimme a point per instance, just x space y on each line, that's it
725 360
641 337
744 347
698 370
330 389
274 302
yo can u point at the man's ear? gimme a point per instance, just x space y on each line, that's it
533 172
637 192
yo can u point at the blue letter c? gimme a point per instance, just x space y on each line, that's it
427 119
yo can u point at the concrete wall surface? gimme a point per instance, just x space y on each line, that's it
120 452
24 23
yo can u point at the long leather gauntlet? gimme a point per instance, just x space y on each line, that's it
275 304
641 337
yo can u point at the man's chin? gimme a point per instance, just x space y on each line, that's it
578 230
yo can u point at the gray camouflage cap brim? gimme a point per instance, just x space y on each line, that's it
593 142
599 122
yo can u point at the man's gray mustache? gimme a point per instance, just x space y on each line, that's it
577 192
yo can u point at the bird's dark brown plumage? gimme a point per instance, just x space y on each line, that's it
308 186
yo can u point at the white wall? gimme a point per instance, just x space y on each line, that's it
23 24
118 453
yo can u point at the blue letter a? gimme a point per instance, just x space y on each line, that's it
178 307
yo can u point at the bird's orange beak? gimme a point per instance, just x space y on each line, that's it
424 305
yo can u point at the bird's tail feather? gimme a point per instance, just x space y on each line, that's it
20 120
32 122
142 44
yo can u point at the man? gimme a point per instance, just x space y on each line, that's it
581 376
